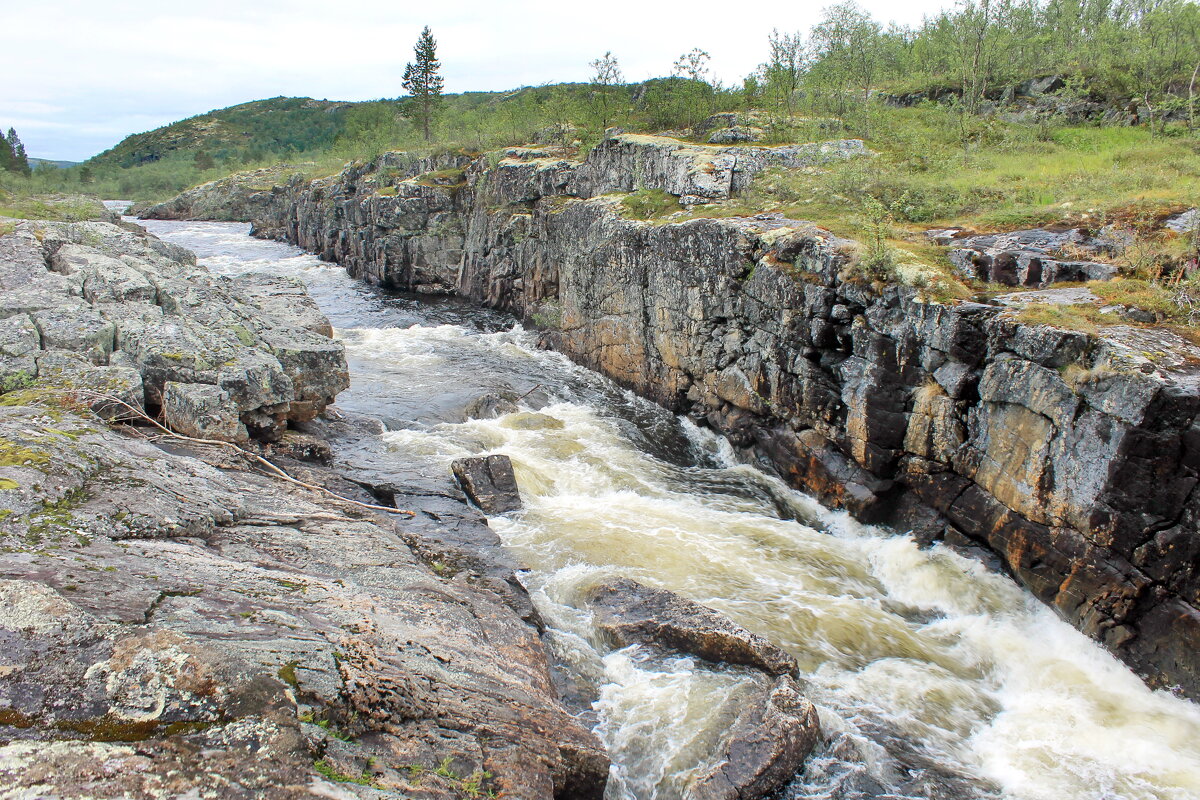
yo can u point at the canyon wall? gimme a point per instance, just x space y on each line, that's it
1071 457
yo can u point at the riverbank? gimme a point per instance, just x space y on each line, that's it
182 618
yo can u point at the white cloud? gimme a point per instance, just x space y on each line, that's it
91 73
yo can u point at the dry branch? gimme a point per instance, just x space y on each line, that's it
133 413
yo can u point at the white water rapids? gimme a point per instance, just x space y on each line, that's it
934 677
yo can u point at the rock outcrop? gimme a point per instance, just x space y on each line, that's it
236 198
630 612
1036 257
175 623
1074 457
99 308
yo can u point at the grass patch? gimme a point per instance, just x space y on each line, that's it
1006 176
646 204
332 773
48 208
1146 295
444 178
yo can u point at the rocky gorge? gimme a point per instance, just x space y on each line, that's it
1070 456
197 600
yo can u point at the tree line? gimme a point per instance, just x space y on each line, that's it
1111 51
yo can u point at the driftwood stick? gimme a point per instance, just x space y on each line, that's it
135 413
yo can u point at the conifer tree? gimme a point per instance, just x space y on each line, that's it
422 80
18 160
7 157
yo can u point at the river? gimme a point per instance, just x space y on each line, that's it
934 678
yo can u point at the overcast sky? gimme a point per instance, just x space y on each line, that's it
83 74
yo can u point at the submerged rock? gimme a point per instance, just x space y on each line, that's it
776 729
490 483
631 612
766 746
491 405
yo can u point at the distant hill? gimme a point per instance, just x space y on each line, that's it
262 128
37 162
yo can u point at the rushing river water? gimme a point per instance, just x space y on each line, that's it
933 677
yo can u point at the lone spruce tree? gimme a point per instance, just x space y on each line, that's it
7 156
14 157
422 80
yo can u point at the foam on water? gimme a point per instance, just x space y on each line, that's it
934 678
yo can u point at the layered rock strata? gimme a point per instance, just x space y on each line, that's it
109 310
1073 457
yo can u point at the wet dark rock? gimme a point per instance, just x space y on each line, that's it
766 747
491 405
776 729
630 612
490 483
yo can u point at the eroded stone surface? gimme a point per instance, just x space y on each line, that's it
124 301
174 623
199 626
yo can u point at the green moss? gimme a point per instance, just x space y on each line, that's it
7 484
329 771
445 178
57 517
386 191
548 315
16 380
110 728
243 334
13 454
287 674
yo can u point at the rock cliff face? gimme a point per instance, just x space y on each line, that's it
1074 458
174 622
